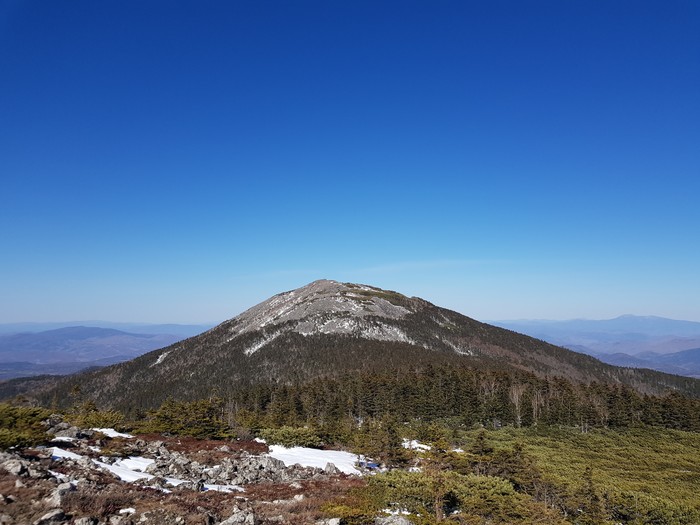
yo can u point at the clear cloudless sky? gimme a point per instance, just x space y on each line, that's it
180 161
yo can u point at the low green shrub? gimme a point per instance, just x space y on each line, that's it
291 437
21 426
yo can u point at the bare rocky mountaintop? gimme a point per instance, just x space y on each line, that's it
314 302
327 307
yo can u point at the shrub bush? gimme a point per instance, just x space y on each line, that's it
21 426
291 437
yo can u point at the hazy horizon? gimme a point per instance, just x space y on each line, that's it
180 162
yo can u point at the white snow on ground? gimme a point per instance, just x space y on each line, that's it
123 473
221 488
64 438
161 358
257 346
136 463
130 469
110 432
415 445
312 457
60 453
58 475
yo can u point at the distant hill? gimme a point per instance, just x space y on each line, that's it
69 349
685 363
647 342
182 330
326 329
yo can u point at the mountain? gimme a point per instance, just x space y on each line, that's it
326 329
629 334
181 330
627 340
685 363
69 349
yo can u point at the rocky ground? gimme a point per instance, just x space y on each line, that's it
86 478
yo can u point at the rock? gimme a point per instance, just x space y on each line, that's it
299 497
70 432
52 517
6 519
7 499
52 422
86 433
331 469
392 520
58 493
16 467
86 521
246 517
331 521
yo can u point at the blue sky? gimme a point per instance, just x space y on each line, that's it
181 161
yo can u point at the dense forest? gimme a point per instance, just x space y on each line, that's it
464 396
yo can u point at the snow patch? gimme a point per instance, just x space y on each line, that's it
459 349
161 358
110 432
58 453
412 444
385 332
312 457
64 439
135 463
257 346
131 469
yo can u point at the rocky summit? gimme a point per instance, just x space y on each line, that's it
327 307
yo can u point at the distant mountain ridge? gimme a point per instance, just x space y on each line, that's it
658 343
183 330
69 349
328 328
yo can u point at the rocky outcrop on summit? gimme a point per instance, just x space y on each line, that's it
310 305
325 308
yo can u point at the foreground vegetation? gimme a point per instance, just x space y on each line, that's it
504 447
545 474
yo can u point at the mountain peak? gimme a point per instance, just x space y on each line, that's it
327 328
326 307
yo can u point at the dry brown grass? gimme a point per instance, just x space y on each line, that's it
303 512
23 503
186 444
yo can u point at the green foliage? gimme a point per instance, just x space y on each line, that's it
359 506
291 437
200 419
636 476
445 398
21 426
87 415
380 440
433 496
